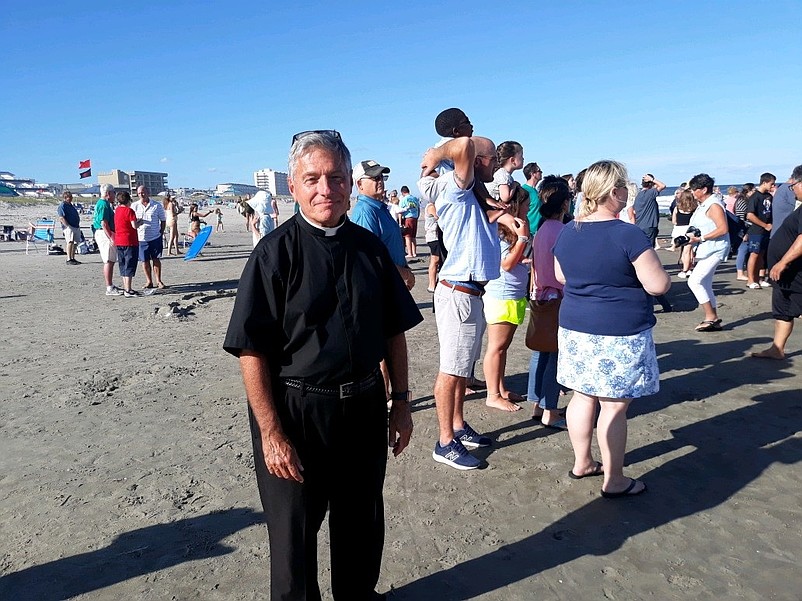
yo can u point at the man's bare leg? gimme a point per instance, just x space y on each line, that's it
449 398
752 268
782 331
157 271
148 276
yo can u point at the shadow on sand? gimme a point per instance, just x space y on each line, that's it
131 554
721 456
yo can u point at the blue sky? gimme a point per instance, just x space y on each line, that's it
211 91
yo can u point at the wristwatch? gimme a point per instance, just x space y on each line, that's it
400 396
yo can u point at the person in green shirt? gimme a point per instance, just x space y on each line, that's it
103 227
533 175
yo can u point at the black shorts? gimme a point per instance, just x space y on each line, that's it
434 248
786 305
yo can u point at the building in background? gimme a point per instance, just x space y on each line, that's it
119 179
155 182
235 190
272 181
14 186
131 180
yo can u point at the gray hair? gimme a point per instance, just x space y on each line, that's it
104 188
797 173
323 140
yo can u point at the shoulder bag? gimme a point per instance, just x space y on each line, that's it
541 333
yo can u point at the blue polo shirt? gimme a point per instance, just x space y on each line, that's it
70 214
374 216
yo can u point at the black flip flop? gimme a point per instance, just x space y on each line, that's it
598 471
709 326
626 492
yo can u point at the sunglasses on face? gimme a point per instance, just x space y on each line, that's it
375 178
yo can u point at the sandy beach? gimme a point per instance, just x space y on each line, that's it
127 470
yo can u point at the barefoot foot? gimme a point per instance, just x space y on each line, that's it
496 401
770 353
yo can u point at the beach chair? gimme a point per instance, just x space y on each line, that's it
42 232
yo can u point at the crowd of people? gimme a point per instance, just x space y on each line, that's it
324 303
133 233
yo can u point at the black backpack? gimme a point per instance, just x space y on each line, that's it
737 229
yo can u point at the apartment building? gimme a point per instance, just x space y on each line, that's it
274 182
131 180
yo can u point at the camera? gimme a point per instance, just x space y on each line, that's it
691 231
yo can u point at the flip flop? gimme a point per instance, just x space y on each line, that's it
597 471
709 326
148 286
627 492
539 416
162 286
560 424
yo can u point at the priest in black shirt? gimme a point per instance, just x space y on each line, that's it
319 305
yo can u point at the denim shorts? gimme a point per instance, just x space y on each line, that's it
151 250
757 243
127 259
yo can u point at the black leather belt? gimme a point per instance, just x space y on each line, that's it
465 289
340 391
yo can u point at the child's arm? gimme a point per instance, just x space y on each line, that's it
459 150
492 208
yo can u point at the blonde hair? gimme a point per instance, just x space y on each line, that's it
600 179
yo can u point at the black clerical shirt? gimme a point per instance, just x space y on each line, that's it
319 307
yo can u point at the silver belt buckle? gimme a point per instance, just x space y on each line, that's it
345 390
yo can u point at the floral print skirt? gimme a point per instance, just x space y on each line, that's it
617 367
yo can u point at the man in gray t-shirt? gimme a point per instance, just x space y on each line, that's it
645 213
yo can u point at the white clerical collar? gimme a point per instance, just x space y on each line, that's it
327 231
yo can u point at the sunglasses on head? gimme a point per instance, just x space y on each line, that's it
325 132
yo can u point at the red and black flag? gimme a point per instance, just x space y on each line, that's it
87 164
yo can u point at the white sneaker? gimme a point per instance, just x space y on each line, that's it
113 291
682 274
765 284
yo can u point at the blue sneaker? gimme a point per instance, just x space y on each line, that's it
455 455
471 438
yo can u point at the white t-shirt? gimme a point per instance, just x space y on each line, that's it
499 177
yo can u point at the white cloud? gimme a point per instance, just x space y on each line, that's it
164 160
212 169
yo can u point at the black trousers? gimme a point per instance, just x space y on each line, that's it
342 445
